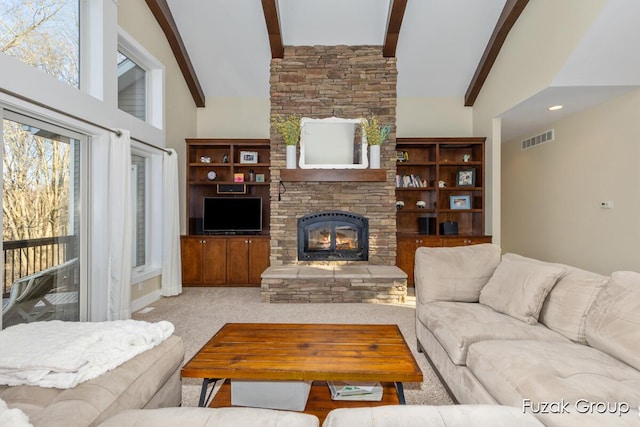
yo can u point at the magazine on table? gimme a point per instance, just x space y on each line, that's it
355 390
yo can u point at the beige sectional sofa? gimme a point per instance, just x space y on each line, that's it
149 380
381 416
550 339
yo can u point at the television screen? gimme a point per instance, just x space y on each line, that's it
232 214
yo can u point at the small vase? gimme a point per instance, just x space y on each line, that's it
291 156
374 156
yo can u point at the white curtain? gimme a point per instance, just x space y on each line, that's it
171 262
120 223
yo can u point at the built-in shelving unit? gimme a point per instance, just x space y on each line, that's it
439 180
225 260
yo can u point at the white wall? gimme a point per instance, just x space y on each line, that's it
535 51
551 193
234 118
436 116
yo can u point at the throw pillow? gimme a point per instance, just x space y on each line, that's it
519 289
613 322
454 273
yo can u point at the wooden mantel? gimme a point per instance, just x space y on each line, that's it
334 175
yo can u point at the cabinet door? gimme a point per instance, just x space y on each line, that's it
214 259
191 253
238 260
259 251
406 256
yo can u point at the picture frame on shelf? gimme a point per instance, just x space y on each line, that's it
238 177
460 202
248 157
466 178
259 177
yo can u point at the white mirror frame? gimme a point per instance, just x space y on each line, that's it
330 143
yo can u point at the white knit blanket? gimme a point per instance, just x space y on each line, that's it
12 417
63 354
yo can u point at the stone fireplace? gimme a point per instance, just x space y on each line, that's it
333 236
333 81
349 82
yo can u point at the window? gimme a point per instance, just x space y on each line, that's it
132 87
44 34
139 206
140 81
41 222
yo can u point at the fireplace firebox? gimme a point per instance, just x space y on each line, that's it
333 236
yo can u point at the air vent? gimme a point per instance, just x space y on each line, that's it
538 139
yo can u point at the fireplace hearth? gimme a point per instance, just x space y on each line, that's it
333 236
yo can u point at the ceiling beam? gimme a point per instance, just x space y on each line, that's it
270 9
396 14
508 17
162 13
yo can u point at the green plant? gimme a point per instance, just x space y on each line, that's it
376 134
288 127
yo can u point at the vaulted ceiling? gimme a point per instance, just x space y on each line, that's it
444 48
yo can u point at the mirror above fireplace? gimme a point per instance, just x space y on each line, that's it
332 143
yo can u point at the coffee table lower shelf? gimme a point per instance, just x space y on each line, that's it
320 402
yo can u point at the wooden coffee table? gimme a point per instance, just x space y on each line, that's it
306 352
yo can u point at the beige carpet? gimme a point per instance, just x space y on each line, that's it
199 312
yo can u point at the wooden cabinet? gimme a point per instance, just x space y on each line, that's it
224 260
247 257
438 180
204 261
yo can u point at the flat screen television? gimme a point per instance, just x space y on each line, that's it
232 215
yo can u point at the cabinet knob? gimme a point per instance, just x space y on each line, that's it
467 241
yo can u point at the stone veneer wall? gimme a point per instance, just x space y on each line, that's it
346 82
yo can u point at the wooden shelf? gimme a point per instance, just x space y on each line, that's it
333 175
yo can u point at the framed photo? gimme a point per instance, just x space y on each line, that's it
466 178
238 177
259 177
460 202
248 157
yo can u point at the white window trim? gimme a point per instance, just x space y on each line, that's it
153 223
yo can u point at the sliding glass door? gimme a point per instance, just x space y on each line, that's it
41 224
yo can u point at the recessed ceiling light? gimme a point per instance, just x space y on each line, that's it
556 107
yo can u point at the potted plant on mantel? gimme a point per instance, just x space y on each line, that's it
375 135
289 129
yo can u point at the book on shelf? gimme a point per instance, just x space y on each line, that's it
355 390
411 181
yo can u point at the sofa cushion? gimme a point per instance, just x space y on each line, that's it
454 274
552 372
613 322
565 308
457 325
130 385
519 288
435 416
211 417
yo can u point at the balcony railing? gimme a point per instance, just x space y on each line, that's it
24 257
